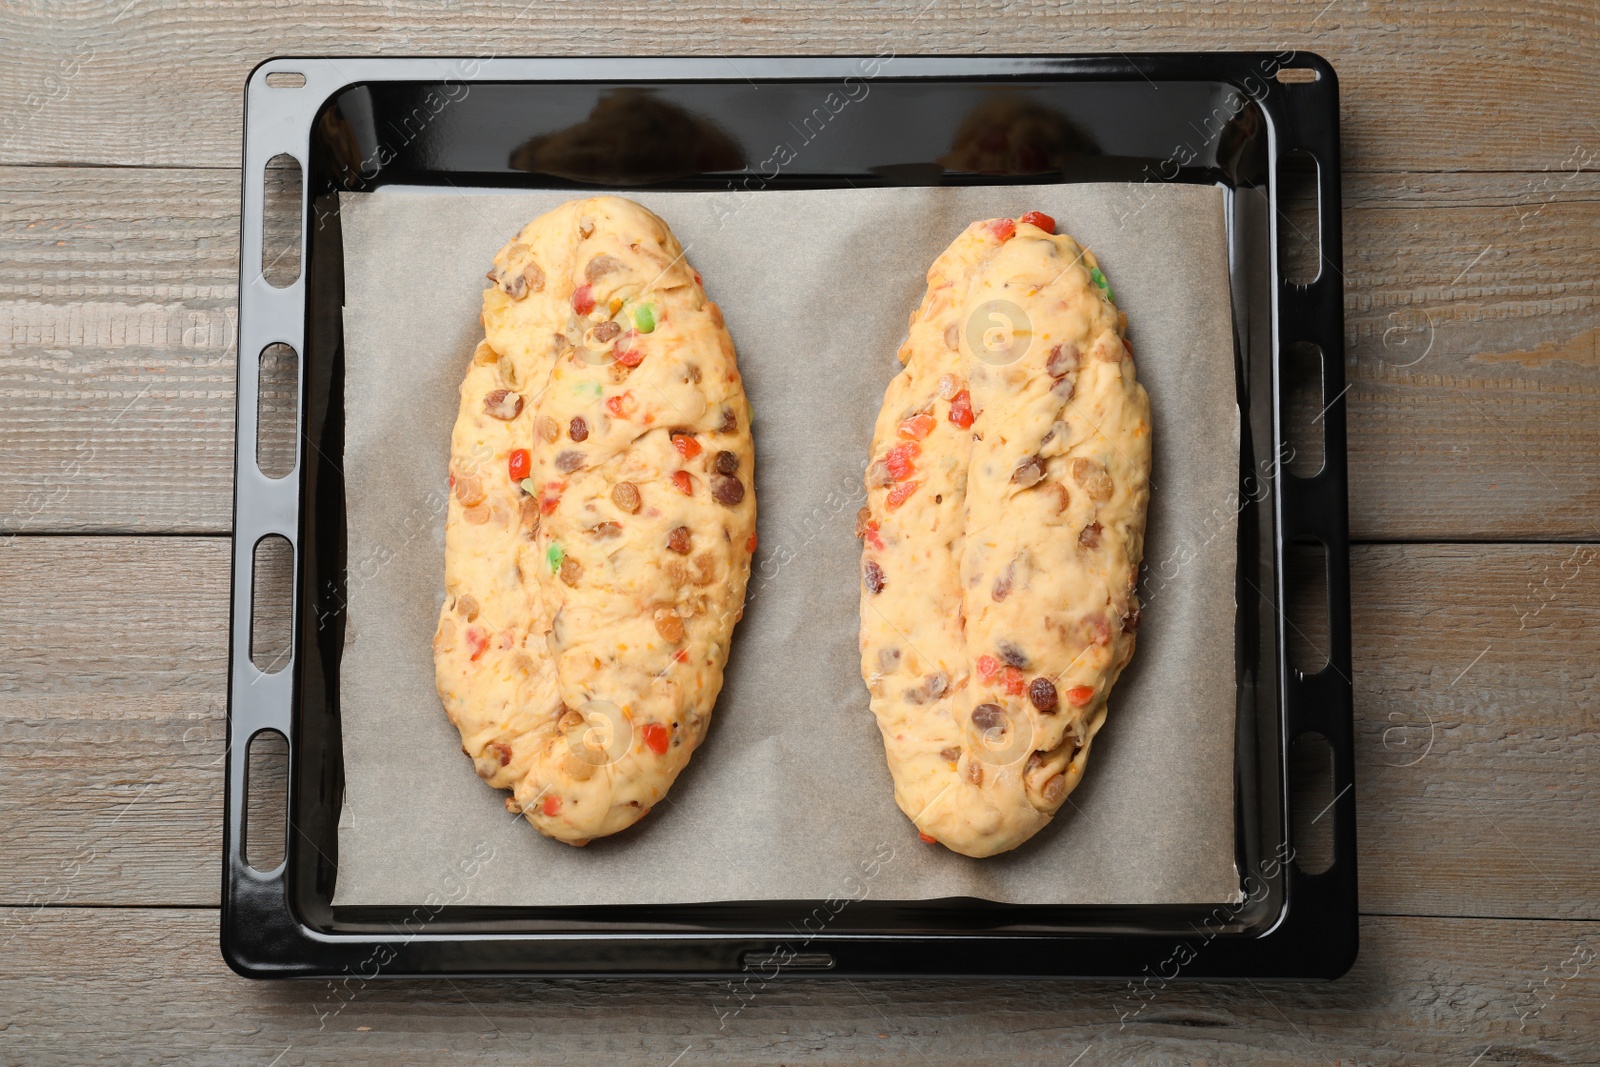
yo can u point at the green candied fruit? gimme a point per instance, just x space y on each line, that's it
1100 280
527 487
593 389
554 555
644 318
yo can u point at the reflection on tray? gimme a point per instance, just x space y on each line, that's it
631 138
1011 134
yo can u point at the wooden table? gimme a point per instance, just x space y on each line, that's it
1471 137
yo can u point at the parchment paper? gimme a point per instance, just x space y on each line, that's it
790 797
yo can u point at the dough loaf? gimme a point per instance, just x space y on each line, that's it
1002 535
601 521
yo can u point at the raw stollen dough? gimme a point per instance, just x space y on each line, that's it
1003 533
601 522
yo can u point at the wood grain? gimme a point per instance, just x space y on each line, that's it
1471 316
117 331
1471 312
1473 352
114 704
82 87
149 986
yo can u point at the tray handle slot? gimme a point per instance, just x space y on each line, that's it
1302 369
281 188
1299 231
1313 813
266 801
277 410
271 600
1305 605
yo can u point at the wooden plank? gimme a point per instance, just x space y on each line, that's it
1477 680
87 85
141 985
1471 313
114 694
118 324
1472 319
113 698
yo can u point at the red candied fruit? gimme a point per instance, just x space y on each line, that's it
961 409
900 460
1041 220
518 463
899 494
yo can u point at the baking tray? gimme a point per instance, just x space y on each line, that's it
1225 119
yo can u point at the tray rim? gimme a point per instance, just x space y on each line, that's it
262 935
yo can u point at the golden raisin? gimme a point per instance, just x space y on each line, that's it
705 569
1055 789
571 571
669 626
1094 479
469 490
625 495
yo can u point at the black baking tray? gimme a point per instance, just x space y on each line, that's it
1225 119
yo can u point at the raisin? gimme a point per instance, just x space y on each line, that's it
863 522
952 753
1063 360
469 490
727 463
1130 621
1003 583
931 689
548 428
571 571
1029 472
533 277
606 331
503 404
600 266
569 461
1012 656
727 490
605 531
1055 789
988 717
974 772
625 495
678 540
874 577
1094 478
730 421
1090 537
578 429
1043 694
669 626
